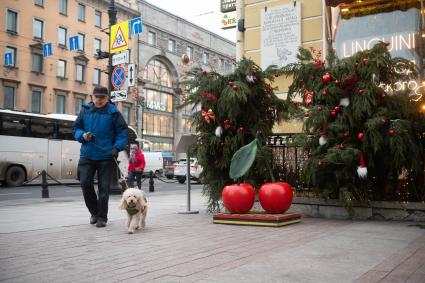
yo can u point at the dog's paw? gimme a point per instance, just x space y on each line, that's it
130 231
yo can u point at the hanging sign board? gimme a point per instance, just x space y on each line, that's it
227 6
118 95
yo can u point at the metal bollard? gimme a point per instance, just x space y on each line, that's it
151 187
44 186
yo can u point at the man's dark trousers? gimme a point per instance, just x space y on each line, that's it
98 206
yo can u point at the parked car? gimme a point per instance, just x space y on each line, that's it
180 170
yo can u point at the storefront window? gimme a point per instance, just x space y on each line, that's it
357 31
159 101
157 125
157 73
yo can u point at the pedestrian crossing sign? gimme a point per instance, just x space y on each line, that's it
119 37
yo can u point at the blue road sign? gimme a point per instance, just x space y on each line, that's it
73 43
47 49
8 59
118 77
135 26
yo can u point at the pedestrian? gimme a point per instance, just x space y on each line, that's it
136 165
102 132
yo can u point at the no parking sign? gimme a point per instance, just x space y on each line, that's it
118 77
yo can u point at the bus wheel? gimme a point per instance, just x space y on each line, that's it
15 176
181 179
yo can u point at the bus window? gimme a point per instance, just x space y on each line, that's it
42 128
11 126
65 130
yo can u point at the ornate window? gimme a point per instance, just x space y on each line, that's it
157 73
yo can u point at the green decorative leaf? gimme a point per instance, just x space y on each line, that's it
243 159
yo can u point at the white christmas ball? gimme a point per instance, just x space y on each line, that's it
218 131
323 140
344 101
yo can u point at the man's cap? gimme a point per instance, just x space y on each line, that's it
100 91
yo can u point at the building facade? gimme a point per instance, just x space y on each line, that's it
163 42
62 81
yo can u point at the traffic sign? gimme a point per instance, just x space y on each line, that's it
47 49
118 95
120 58
8 59
73 43
119 37
118 77
131 71
136 26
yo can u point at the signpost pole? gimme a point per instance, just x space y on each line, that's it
112 13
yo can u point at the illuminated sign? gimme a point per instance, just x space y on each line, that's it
397 42
227 6
228 20
155 105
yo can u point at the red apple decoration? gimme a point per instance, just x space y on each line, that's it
238 198
275 197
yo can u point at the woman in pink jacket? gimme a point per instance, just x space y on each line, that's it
136 165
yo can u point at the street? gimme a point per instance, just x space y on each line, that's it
73 189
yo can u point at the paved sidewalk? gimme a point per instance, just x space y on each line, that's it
51 241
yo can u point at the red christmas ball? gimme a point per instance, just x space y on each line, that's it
333 113
230 83
238 198
365 60
345 135
235 87
337 82
185 58
361 91
325 93
341 146
275 197
391 132
326 78
337 108
360 136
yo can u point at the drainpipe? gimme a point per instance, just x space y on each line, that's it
240 15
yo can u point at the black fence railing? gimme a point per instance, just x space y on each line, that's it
288 159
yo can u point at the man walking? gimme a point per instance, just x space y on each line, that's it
102 132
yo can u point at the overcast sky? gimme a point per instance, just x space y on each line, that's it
204 13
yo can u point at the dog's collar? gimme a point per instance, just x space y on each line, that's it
132 210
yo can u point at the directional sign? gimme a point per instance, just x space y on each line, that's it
118 77
8 59
47 49
120 58
73 43
136 26
119 37
118 95
131 74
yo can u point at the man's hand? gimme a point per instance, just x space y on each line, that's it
87 136
114 152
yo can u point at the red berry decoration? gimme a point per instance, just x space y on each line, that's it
333 113
185 59
326 78
341 146
275 197
238 198
360 136
391 132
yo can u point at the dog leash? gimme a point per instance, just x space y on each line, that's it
116 162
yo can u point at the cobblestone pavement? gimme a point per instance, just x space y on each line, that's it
50 240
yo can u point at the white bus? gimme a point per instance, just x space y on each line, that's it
30 143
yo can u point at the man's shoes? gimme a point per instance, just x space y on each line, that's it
93 219
100 223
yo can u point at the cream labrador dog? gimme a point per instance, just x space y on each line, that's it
134 202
